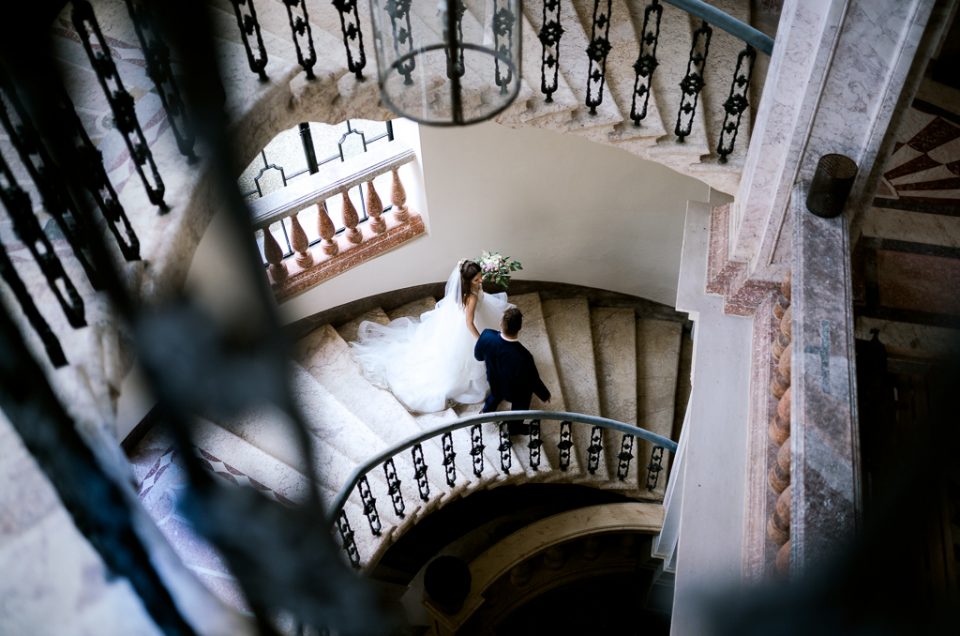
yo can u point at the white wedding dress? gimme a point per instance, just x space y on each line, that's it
429 362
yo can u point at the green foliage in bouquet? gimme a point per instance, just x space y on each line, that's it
497 269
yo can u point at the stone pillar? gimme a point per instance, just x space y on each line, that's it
825 463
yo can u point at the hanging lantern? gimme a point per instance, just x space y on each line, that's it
447 62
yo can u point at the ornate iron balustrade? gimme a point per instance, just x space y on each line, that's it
564 444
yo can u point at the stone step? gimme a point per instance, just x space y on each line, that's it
348 330
327 357
568 323
614 342
658 355
465 479
490 437
536 338
413 309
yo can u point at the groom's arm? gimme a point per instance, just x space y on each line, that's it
539 388
480 347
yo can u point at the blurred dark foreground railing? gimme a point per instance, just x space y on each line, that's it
285 560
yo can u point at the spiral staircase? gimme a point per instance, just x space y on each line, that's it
615 360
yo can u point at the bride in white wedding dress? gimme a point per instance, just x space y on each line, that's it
429 362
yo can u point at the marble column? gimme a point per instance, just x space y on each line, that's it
825 464
839 71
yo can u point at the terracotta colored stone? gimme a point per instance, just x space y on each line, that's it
786 323
786 288
782 562
780 344
398 198
782 513
783 458
783 405
300 244
777 480
783 364
780 306
777 431
274 256
351 219
326 230
779 385
778 536
375 209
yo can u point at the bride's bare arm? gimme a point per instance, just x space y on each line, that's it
470 310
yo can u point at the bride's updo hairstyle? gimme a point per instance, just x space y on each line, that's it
468 270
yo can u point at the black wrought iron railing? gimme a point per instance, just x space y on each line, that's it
534 444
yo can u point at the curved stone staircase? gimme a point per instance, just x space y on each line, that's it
606 356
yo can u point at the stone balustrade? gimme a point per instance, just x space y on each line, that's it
342 235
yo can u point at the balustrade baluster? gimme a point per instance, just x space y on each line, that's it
375 209
597 54
534 445
121 102
476 449
369 506
348 541
249 25
274 255
449 460
300 243
28 230
565 445
624 457
327 230
350 29
505 447
737 102
393 487
29 308
646 62
157 57
503 27
420 468
398 197
654 467
300 29
596 445
549 35
351 219
692 83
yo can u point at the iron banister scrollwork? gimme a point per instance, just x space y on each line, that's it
624 457
654 467
505 447
449 460
565 445
55 198
121 102
455 65
249 25
534 445
597 52
420 472
28 230
42 328
549 35
402 35
473 423
504 24
646 62
352 35
737 102
157 57
692 83
300 30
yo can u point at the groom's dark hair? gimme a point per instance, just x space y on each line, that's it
512 321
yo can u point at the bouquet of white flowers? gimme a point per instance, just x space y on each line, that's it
497 269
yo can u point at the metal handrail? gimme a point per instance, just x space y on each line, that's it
560 416
757 39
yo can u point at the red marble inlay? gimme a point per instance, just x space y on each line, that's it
952 183
936 133
917 164
918 282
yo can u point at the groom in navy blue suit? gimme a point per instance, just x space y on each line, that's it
511 371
